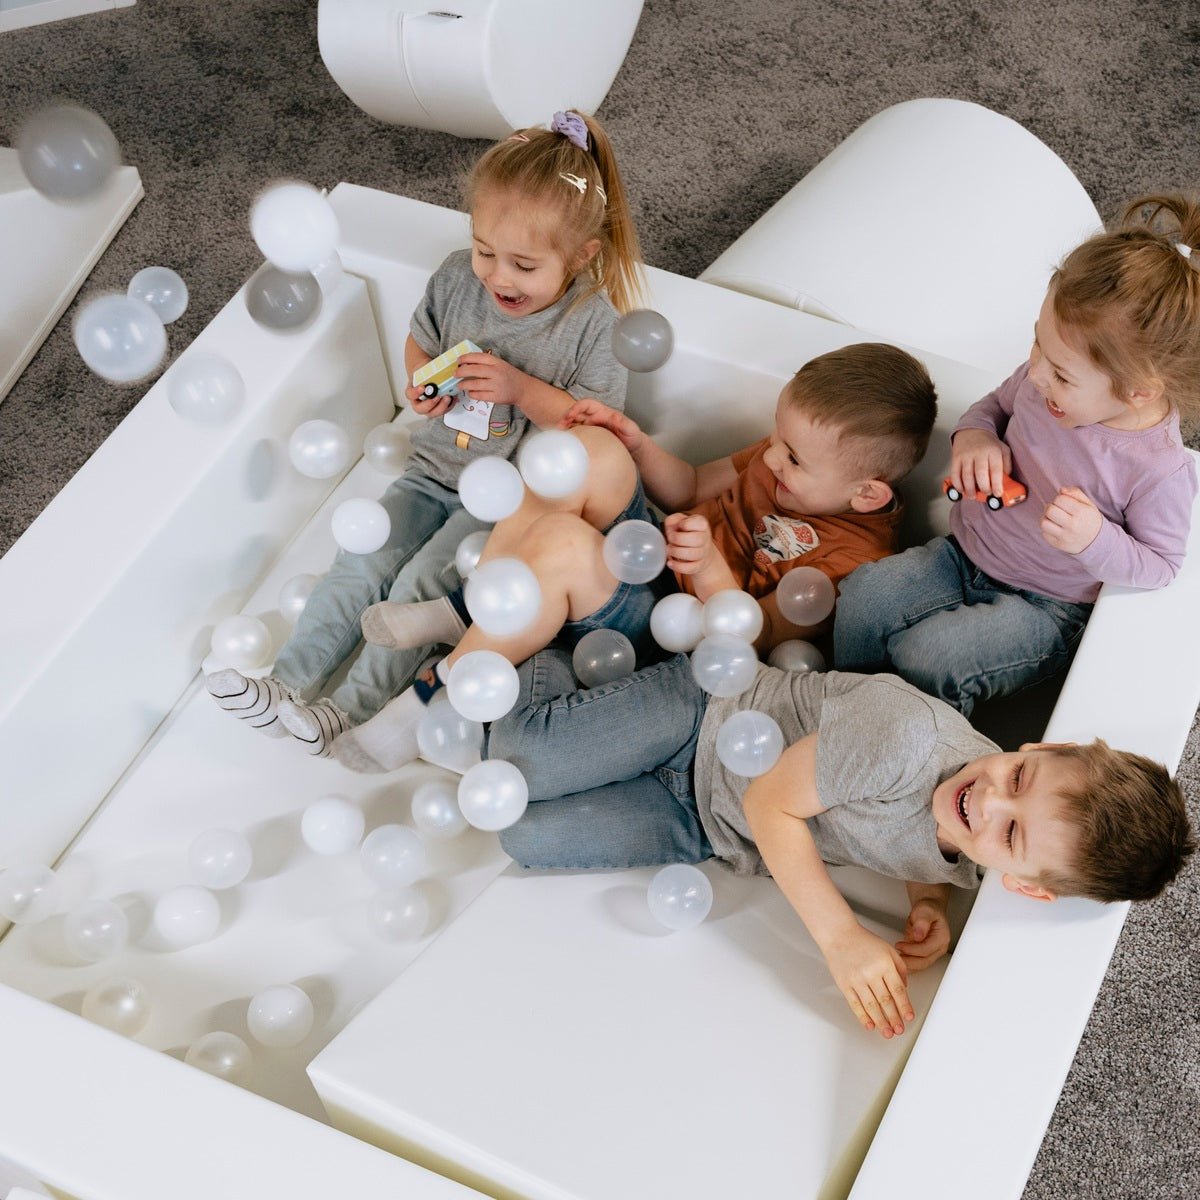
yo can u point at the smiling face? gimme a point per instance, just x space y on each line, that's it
1006 811
513 258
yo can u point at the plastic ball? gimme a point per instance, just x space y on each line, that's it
677 622
493 794
294 594
205 388
294 226
282 301
805 596
724 665
29 893
435 810
635 551
120 338
280 1015
163 290
186 916
491 488
602 656
749 743
642 340
220 858
386 448
393 856
398 915
242 642
67 153
332 825
222 1054
503 596
735 612
96 930
319 449
121 1004
466 557
553 463
680 896
796 656
446 738
483 686
361 526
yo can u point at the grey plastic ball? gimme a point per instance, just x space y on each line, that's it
282 301
642 340
67 153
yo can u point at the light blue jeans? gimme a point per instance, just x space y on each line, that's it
417 563
609 768
938 621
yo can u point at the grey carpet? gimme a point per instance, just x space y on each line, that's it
717 111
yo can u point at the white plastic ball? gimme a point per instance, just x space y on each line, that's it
222 1054
280 1015
242 642
466 557
503 596
483 686
96 930
805 596
393 856
163 290
602 656
491 488
553 463
386 448
435 810
121 1004
319 449
186 916
493 794
724 665
749 743
120 338
398 915
361 526
332 825
294 594
294 226
446 738
635 551
796 656
220 858
205 388
29 893
680 896
735 612
677 623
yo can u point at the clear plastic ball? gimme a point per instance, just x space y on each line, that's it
805 596
635 551
491 488
186 916
242 642
466 557
483 686
386 448
319 449
29 893
724 665
205 388
503 596
361 526
677 623
734 612
493 794
446 738
602 656
796 656
294 594
398 915
163 290
553 463
393 856
280 1015
435 810
680 896
96 930
749 743
220 858
332 825
222 1054
120 338
121 1004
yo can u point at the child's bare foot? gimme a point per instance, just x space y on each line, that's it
253 701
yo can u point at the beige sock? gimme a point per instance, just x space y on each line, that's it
406 626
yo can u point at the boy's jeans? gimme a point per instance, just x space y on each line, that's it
609 768
939 622
417 563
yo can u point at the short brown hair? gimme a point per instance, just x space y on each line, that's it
1131 821
879 397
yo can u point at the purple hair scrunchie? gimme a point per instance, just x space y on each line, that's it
572 127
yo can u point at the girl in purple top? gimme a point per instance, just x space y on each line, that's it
1091 426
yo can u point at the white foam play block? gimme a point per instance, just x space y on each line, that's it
20 14
48 249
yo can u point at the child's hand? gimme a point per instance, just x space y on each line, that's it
486 377
872 976
596 412
1071 521
428 408
926 935
979 460
690 547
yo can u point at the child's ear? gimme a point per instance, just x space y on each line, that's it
1027 746
1032 890
587 252
1148 394
871 496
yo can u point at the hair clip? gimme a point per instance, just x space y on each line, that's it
1184 249
572 126
517 137
575 181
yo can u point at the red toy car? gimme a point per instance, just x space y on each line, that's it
1013 493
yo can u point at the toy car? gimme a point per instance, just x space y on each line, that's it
1012 493
437 378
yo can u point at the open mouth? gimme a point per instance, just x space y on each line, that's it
509 301
1055 411
962 800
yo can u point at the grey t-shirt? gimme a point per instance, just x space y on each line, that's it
567 345
882 747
